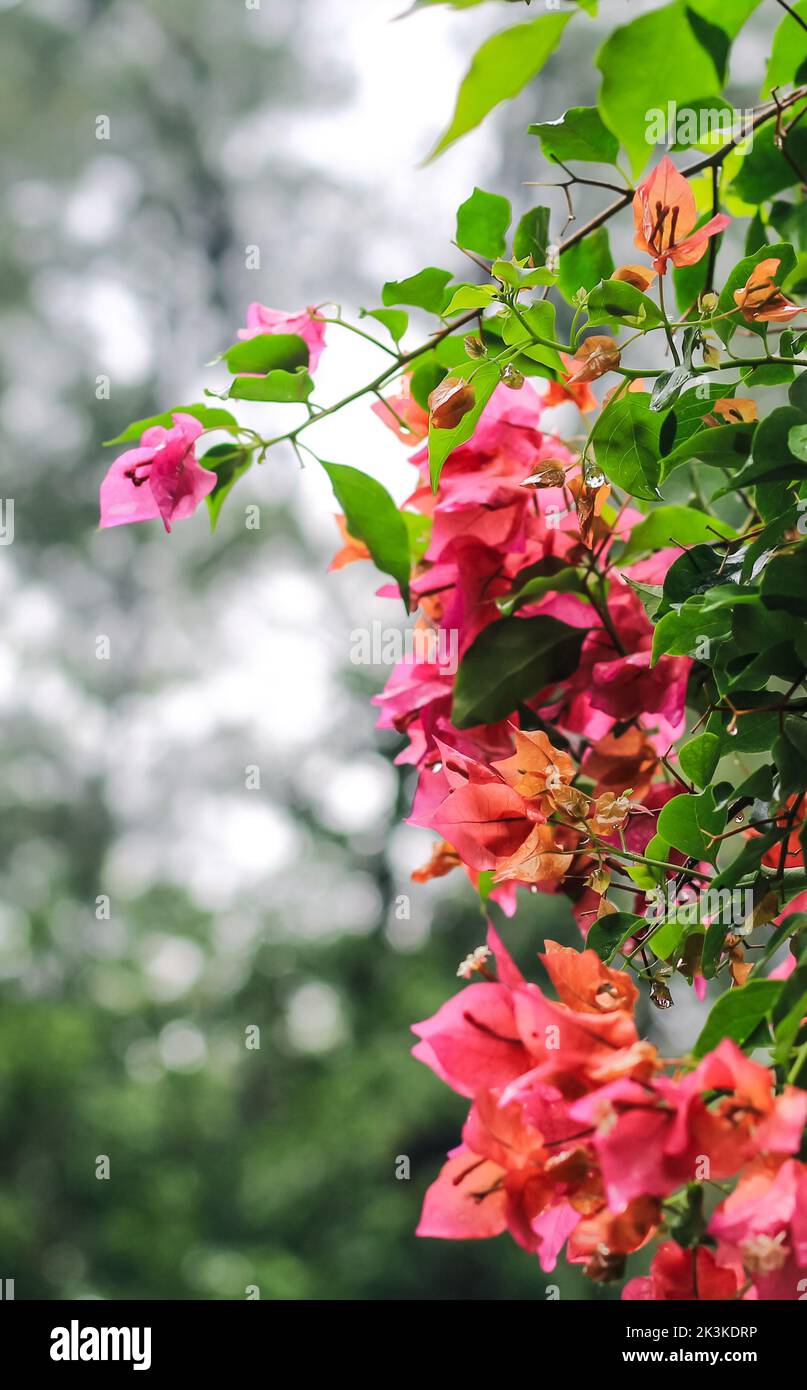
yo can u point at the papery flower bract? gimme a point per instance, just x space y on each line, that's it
162 478
450 402
594 357
558 392
763 1223
535 767
761 301
684 1276
664 214
640 276
351 549
304 324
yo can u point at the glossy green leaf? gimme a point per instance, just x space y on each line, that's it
699 758
617 301
674 525
268 352
789 49
426 290
372 516
737 1014
645 64
608 933
687 822
509 662
482 223
579 134
286 387
625 440
532 236
396 321
229 463
586 263
209 416
500 69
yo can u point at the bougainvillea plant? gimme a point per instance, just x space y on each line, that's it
609 701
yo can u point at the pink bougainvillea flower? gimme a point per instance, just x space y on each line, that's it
761 301
763 1224
664 214
160 478
684 1276
402 414
649 1147
305 324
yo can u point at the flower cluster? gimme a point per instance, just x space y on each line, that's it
580 1134
516 506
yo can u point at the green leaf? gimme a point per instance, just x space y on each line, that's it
396 321
287 387
470 297
482 223
699 758
674 525
646 64
790 755
579 133
209 416
720 446
684 1216
617 301
229 463
772 457
784 583
540 320
442 442
730 18
426 290
696 572
797 442
687 822
267 352
702 618
789 49
586 263
499 70
532 236
510 662
566 581
726 327
686 417
765 171
625 440
372 516
608 933
737 1014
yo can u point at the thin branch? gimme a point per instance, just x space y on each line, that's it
761 116
787 8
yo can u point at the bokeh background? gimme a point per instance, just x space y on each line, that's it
296 127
